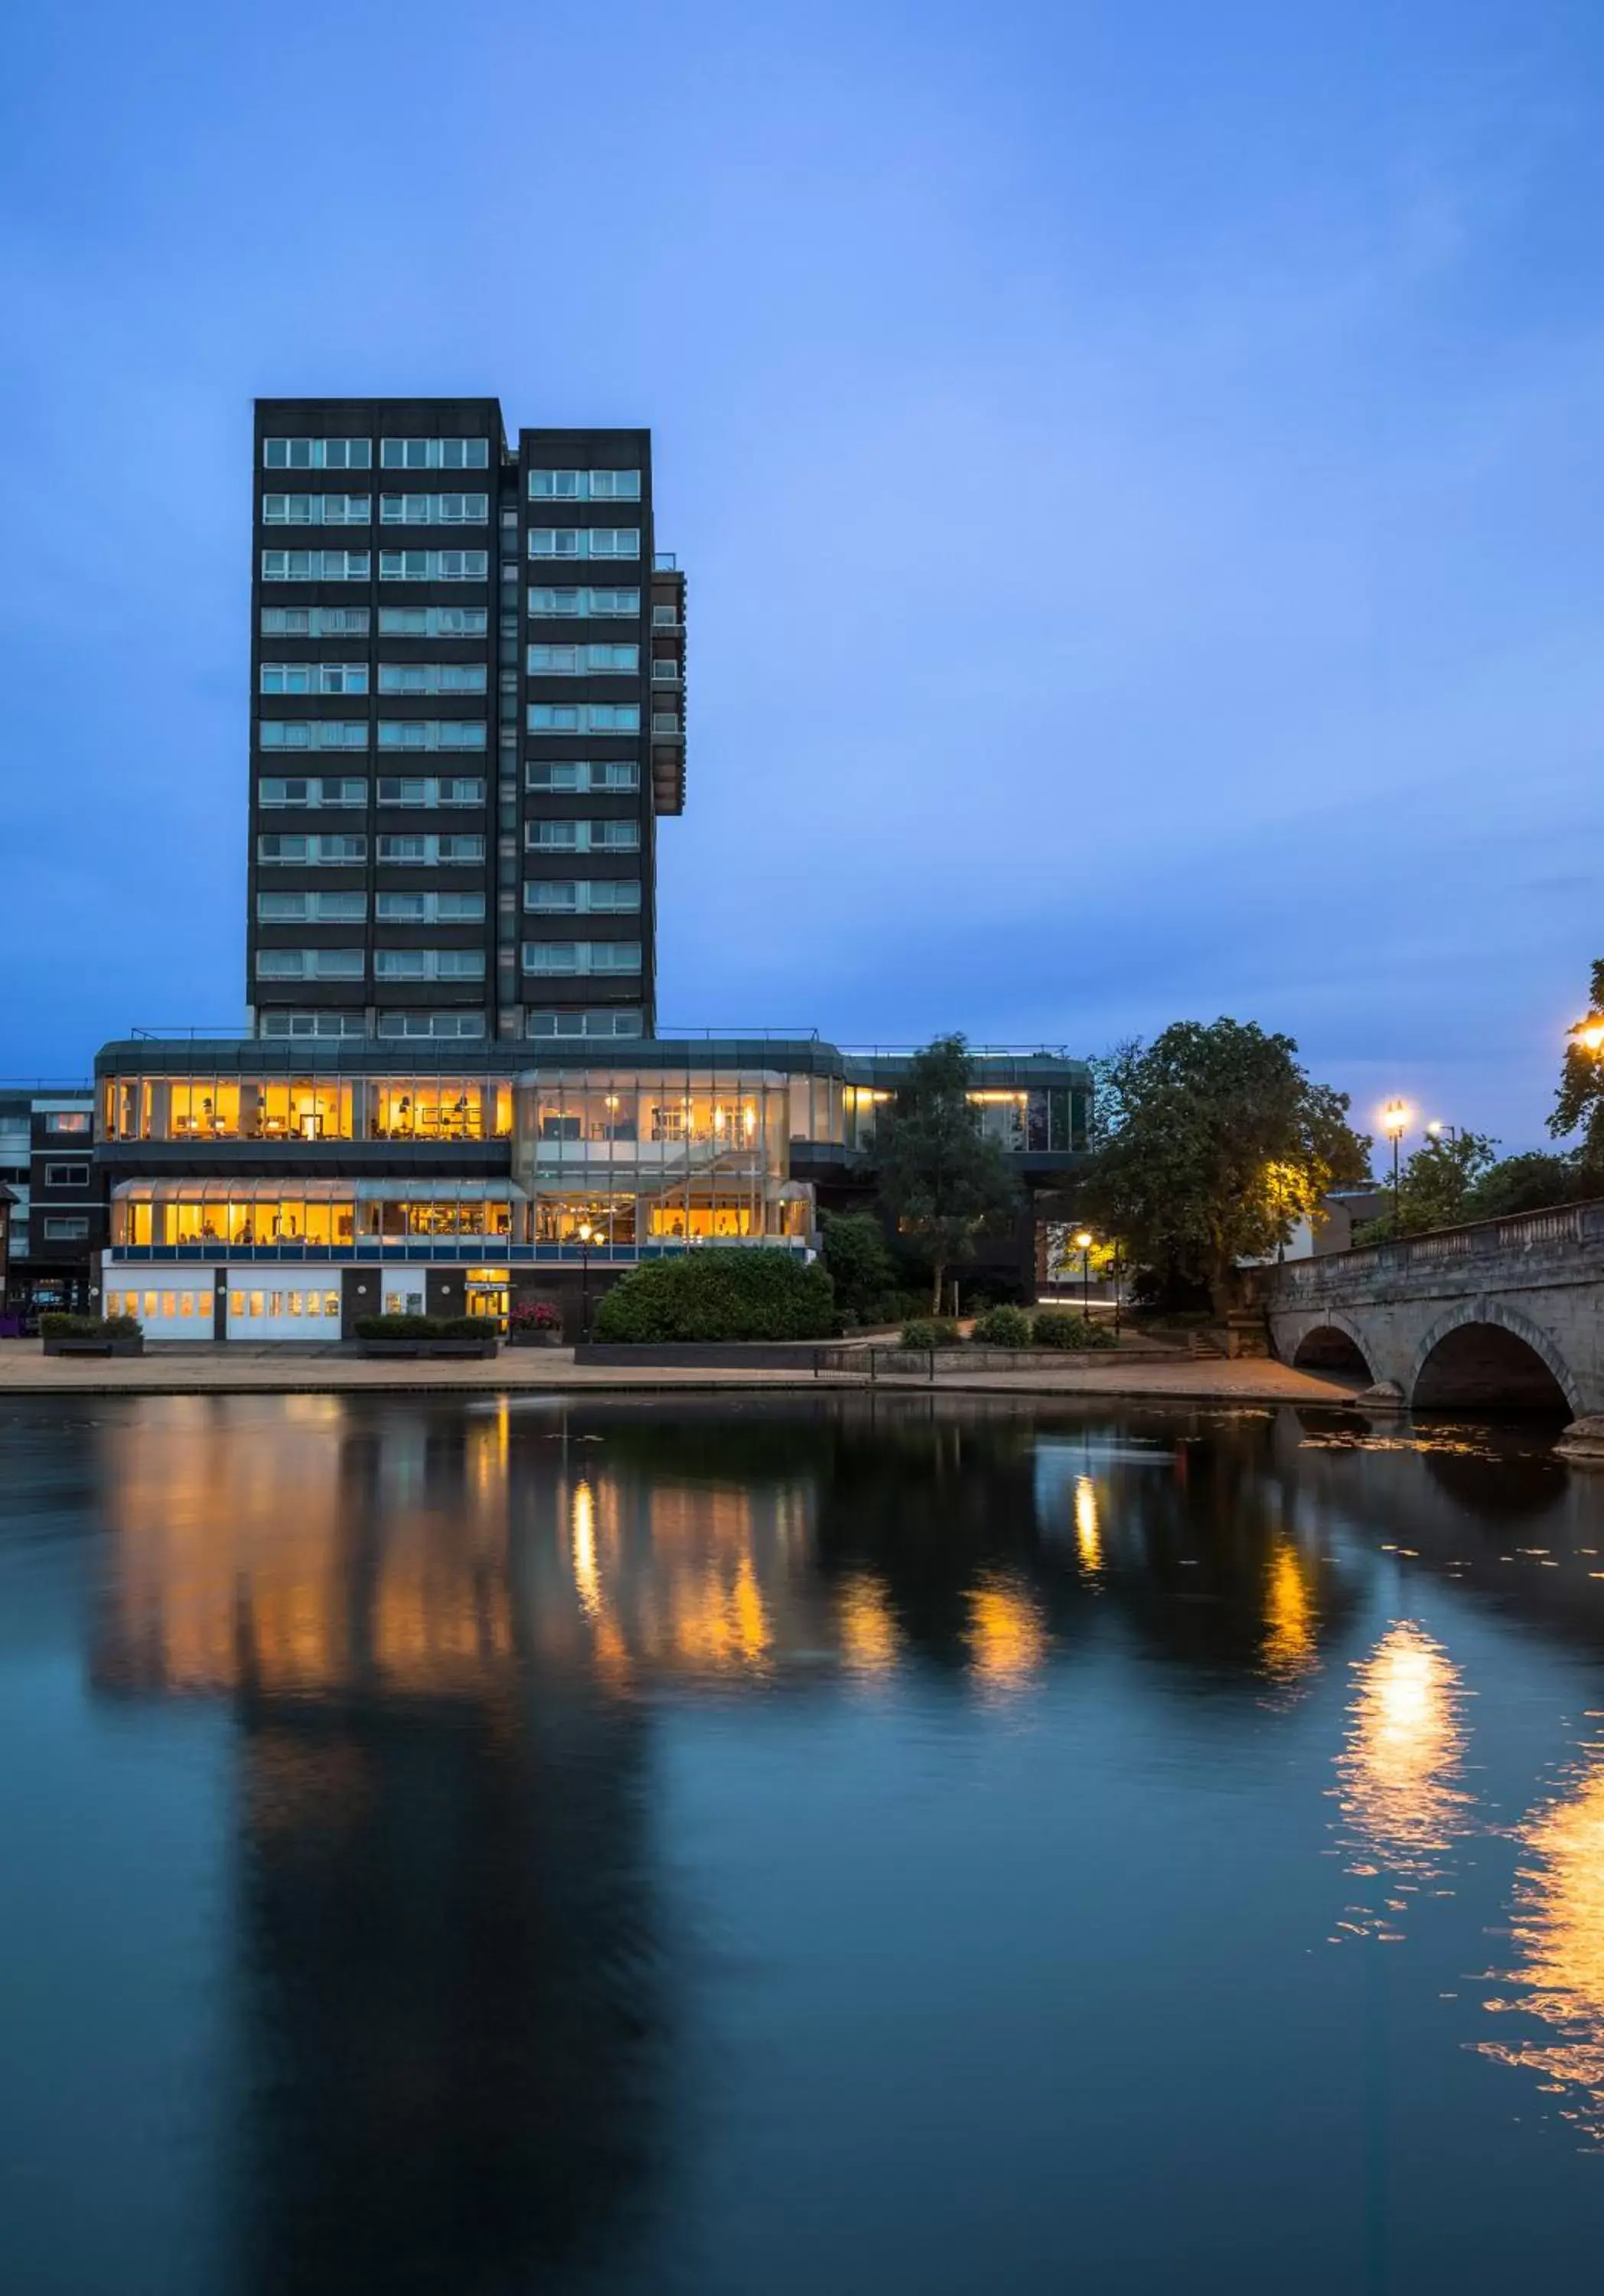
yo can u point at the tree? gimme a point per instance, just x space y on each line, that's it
1529 1183
1579 1101
854 1249
1434 1190
1213 1145
940 1180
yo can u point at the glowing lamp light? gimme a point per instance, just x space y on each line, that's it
1589 1034
1395 1118
1083 1242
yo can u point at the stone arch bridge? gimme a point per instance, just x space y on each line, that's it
1503 1314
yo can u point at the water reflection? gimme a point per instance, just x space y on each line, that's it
1557 1928
1402 1798
473 1671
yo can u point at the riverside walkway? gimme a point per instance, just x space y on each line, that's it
176 1369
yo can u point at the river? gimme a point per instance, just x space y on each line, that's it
853 1844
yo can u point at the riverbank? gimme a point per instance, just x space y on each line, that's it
179 1369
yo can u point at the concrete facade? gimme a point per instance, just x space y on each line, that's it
1503 1313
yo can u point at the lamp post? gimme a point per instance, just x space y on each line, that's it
1395 1117
1437 1131
1083 1244
587 1233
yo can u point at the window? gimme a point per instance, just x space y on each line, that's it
312 1024
317 454
313 734
67 1227
312 852
317 510
311 908
66 1176
578 896
316 565
583 836
582 661
429 964
431 678
665 721
434 454
582 774
665 618
603 1023
431 1024
309 965
432 792
564 606
582 956
434 621
665 670
430 850
433 565
314 678
62 1122
315 621
585 486
270 792
434 510
583 717
430 909
431 734
584 542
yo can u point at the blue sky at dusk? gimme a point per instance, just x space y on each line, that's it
1139 470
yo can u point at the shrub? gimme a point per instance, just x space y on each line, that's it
1058 1327
712 1294
853 1248
54 1326
398 1327
535 1316
930 1332
465 1327
1002 1327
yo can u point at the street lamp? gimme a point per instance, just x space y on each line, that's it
1395 1118
1589 1034
586 1236
1436 1129
1083 1244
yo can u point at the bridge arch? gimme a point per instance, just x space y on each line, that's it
1333 1344
1481 1354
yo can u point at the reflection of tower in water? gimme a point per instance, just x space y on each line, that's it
1558 1930
450 1983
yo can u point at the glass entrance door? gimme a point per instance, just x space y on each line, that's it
489 1294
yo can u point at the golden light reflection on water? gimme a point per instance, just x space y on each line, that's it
1290 1617
867 1628
1007 1639
1557 1930
1400 1773
587 1579
1088 1538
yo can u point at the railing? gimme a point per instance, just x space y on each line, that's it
1476 1240
175 1034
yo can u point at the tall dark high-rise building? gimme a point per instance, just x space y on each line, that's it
467 712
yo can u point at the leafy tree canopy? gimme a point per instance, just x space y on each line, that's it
1579 1103
1530 1183
1212 1142
855 1250
940 1180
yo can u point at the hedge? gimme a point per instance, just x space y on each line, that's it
713 1294
1058 1327
424 1327
1002 1327
930 1332
56 1326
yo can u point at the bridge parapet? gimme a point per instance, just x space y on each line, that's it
1479 1251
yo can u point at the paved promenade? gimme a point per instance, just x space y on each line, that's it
176 1369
